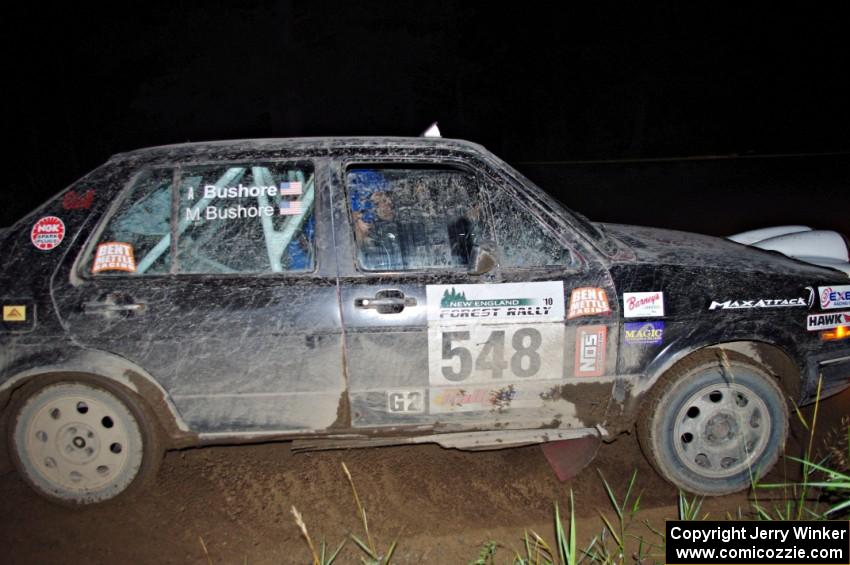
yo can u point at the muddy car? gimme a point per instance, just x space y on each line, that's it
357 292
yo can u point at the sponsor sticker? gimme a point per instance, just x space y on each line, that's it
448 400
760 303
644 333
816 322
643 304
74 201
291 208
15 313
588 301
834 296
590 351
48 233
496 303
114 256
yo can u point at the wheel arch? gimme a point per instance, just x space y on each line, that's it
99 366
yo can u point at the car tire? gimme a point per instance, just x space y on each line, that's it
81 441
714 423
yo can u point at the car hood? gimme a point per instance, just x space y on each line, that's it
671 247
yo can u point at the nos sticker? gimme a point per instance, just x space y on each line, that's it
48 233
590 351
481 333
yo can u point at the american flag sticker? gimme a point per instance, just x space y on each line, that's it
290 189
291 208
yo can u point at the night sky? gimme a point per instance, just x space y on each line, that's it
715 121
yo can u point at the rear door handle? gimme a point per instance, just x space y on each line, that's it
386 302
107 308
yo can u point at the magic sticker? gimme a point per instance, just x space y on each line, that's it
590 351
47 233
14 313
588 301
644 333
114 256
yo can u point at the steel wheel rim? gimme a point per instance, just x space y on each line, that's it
79 440
721 430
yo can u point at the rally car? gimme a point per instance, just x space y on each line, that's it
356 292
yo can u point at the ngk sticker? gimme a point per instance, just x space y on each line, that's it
48 233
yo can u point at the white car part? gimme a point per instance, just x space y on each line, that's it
819 247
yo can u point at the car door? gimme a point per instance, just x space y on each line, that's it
432 344
219 280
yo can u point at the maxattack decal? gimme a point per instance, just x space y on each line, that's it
15 313
114 256
509 302
480 333
590 351
47 233
834 296
764 303
588 301
816 322
643 304
644 333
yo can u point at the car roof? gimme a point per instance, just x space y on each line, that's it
294 143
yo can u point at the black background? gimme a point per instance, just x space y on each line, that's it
715 120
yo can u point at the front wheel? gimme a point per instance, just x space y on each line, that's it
78 442
713 426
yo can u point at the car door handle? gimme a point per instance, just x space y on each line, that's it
386 302
100 307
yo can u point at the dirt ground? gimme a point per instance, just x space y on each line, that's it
441 504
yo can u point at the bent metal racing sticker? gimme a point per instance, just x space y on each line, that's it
643 304
834 296
494 335
588 301
47 233
114 256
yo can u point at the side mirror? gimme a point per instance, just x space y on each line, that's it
481 261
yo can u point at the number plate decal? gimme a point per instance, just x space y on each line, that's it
495 334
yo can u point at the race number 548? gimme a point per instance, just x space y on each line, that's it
476 354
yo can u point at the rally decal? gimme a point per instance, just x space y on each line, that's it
816 322
588 301
644 333
490 334
643 304
590 351
48 233
834 296
114 256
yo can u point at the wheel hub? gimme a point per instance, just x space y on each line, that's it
78 443
721 428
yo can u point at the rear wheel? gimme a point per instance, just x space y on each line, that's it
81 442
712 426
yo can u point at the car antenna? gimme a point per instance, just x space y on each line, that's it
432 131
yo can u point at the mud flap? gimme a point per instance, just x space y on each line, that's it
567 458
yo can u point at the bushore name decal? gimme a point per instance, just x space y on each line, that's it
834 296
643 304
757 303
817 322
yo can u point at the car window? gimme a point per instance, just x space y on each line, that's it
234 218
412 218
522 242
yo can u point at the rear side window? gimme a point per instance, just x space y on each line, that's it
234 218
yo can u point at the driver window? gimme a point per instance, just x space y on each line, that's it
413 218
